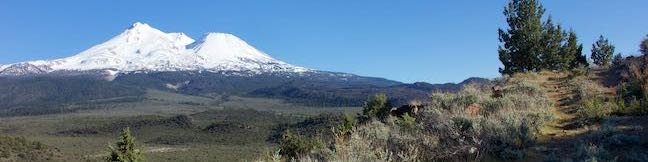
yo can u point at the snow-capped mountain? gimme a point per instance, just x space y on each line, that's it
144 48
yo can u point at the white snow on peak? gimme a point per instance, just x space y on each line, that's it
226 51
144 48
223 46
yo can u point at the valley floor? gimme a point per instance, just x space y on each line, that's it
221 128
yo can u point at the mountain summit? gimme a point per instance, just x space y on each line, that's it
144 48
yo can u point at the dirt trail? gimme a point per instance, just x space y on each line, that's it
564 124
560 135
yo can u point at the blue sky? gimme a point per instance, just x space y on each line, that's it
432 41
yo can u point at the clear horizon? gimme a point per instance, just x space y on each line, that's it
435 42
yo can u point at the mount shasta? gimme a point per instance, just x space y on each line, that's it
143 48
143 58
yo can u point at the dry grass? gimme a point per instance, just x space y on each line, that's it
470 125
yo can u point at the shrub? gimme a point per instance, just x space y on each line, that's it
636 107
595 109
368 142
592 103
447 129
347 125
625 147
580 71
406 121
322 127
271 155
293 145
591 152
21 149
504 127
376 107
633 90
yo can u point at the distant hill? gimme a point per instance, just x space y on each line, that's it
26 93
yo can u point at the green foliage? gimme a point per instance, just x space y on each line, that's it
617 60
531 45
271 156
553 38
602 52
347 125
21 149
38 95
573 52
376 107
592 103
319 127
595 109
633 91
406 121
522 41
125 149
293 145
579 71
635 107
643 47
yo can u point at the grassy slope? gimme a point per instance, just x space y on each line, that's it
20 149
563 135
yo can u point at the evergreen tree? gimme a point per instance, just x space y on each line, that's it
522 41
125 150
376 107
618 59
643 47
573 52
602 52
553 38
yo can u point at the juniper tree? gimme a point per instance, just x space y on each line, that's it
521 43
643 47
602 52
573 52
553 38
125 150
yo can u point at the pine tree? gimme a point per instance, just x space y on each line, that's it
553 38
573 52
602 52
522 41
125 150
